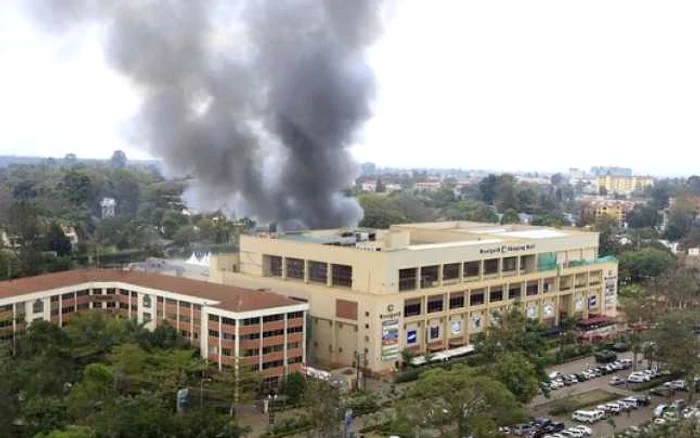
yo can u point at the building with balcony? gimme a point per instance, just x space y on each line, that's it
230 326
428 287
624 184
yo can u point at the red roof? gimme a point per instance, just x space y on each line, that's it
230 298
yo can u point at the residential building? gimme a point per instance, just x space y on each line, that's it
369 186
611 171
108 207
428 186
624 184
9 241
230 326
428 287
616 209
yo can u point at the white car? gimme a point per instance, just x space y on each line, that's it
584 429
614 408
574 432
637 378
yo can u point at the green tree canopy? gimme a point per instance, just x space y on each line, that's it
647 263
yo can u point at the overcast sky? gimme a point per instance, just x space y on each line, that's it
504 85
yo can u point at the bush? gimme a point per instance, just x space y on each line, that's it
288 426
410 374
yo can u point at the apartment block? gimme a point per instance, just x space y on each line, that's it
232 327
428 287
624 184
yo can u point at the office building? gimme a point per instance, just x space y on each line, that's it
428 287
231 326
615 209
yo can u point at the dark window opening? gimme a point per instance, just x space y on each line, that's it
491 266
450 271
472 269
318 272
429 276
411 309
407 279
435 304
273 266
476 299
341 275
295 268
457 301
496 295
509 264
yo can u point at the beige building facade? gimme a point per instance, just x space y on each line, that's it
427 287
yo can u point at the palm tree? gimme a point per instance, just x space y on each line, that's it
636 344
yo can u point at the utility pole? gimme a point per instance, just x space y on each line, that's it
360 358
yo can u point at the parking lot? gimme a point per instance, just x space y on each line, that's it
541 405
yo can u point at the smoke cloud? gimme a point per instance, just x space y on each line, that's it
257 100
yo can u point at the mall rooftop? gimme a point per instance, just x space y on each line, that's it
433 235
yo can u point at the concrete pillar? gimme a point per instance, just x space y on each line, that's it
303 339
285 349
220 336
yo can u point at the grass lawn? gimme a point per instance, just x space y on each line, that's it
578 401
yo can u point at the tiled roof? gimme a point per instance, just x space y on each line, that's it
230 298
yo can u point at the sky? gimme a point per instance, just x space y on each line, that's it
502 85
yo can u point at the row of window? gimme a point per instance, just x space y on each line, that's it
341 275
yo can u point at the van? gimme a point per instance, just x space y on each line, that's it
587 416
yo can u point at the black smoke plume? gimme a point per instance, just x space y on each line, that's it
257 100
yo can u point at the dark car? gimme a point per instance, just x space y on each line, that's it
554 427
605 356
620 347
642 400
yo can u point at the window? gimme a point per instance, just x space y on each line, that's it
294 329
548 285
160 299
250 337
124 306
490 266
273 349
514 292
407 279
509 264
273 364
214 318
471 269
341 275
170 301
457 301
496 294
532 288
54 299
450 271
197 307
38 306
293 360
295 268
293 315
214 333
226 352
111 291
251 321
147 317
122 292
83 293
271 333
83 306
68 309
272 318
411 308
251 352
147 301
272 266
111 305
184 333
97 291
318 272
476 298
435 304
96 305
133 295
228 336
429 276
67 296
54 312
228 321
293 345
184 318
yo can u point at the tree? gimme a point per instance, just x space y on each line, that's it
118 159
57 241
557 179
325 409
487 187
510 217
608 229
70 432
518 374
293 386
677 344
43 414
76 187
647 263
680 220
643 216
185 236
506 195
456 402
94 395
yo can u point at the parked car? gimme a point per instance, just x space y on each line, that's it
587 416
585 429
637 378
614 381
620 347
661 391
605 356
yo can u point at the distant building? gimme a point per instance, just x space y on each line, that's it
525 219
624 184
368 169
109 208
389 188
616 209
576 175
693 201
10 241
428 186
611 171
369 186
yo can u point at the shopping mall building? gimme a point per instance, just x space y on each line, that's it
428 287
231 326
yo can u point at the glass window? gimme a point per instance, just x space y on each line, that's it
472 269
457 301
38 306
295 268
496 294
491 266
411 308
435 304
429 276
407 279
318 272
272 265
341 275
